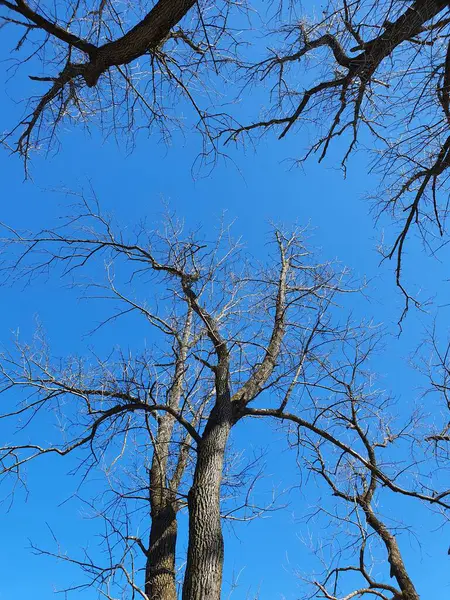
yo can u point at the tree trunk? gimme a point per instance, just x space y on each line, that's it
203 578
398 569
160 581
160 568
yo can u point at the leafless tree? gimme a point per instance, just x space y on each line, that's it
233 340
369 535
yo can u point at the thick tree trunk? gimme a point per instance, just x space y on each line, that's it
203 578
160 581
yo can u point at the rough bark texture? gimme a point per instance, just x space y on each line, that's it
160 569
203 579
142 38
398 569
160 581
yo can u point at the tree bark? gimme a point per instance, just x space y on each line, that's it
144 37
160 583
147 35
408 25
398 569
160 568
203 578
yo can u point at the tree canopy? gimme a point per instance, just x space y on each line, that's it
371 72
232 342
214 357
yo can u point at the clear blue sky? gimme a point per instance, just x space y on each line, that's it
261 188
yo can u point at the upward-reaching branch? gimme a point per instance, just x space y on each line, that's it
253 386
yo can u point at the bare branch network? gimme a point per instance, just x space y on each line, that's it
123 67
375 75
372 74
233 341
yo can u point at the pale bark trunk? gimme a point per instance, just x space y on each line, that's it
160 568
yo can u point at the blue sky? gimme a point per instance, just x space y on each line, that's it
260 187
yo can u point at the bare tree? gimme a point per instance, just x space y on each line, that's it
109 429
227 332
368 534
